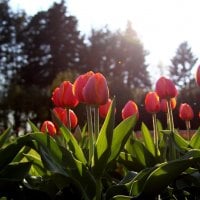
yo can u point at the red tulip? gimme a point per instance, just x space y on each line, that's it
152 102
130 109
48 127
165 88
103 109
62 115
163 104
63 96
79 84
185 112
198 76
95 91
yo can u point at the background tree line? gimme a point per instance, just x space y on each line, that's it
38 52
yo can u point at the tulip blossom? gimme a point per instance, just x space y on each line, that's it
165 88
103 109
62 115
79 84
95 91
152 102
63 96
130 109
48 127
185 112
198 76
163 104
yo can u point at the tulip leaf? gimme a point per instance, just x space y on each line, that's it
122 197
70 140
148 139
102 149
120 136
130 162
194 142
165 173
33 126
8 153
179 141
9 172
4 136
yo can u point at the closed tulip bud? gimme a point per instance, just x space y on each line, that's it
152 102
48 127
63 96
130 109
79 84
62 115
198 76
163 104
96 90
103 109
185 112
165 88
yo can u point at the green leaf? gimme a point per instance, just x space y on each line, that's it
136 185
8 152
130 162
122 197
165 173
33 126
15 171
194 142
4 136
71 141
37 168
102 149
121 135
148 140
180 142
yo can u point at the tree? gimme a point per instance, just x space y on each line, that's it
120 56
51 44
181 65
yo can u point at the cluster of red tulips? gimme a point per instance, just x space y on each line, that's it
92 90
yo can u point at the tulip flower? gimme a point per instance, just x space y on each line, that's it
152 102
186 113
63 96
198 75
95 91
79 84
48 127
103 109
165 88
152 105
62 115
130 109
163 104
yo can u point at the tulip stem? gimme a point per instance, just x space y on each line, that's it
90 132
68 119
155 131
96 121
172 150
187 123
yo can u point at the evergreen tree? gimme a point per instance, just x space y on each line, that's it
181 65
52 44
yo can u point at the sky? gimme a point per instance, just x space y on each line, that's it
160 24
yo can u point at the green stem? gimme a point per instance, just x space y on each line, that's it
68 119
96 121
187 123
172 150
155 135
90 132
